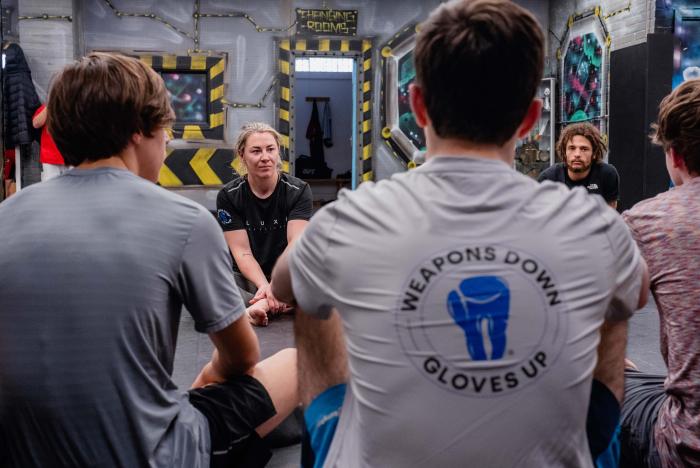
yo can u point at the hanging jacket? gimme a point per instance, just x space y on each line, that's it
20 99
314 133
314 166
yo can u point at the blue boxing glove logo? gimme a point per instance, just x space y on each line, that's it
482 298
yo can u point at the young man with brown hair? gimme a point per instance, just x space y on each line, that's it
470 297
89 314
582 149
661 414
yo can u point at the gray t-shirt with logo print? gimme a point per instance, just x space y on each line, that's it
95 266
471 299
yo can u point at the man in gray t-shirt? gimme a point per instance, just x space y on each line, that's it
95 268
469 296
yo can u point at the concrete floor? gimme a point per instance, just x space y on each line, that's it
194 350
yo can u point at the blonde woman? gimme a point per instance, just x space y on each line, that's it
261 213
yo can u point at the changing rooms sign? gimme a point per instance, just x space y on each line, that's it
332 22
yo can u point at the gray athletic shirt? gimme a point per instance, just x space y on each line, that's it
471 299
95 267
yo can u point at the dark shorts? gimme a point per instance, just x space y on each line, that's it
644 395
234 409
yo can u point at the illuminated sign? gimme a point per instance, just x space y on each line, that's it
331 22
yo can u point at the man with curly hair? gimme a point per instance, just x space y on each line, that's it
582 149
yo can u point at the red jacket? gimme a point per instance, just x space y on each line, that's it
49 152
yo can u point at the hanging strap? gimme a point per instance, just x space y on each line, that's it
327 125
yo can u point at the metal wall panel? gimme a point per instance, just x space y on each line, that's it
247 42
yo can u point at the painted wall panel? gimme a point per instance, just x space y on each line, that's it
251 53
629 24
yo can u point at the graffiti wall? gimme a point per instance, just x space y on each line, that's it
582 77
188 93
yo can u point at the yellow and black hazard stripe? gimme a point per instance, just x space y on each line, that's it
356 48
400 37
284 65
198 166
214 67
366 110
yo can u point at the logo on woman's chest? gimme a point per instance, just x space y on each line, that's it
261 225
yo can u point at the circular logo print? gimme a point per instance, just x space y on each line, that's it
481 321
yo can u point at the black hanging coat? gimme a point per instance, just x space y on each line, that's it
20 99
314 133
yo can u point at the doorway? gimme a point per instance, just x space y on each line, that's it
290 105
324 124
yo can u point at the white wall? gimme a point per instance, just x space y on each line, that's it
338 87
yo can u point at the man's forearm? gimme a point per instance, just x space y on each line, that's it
217 371
227 368
236 349
610 369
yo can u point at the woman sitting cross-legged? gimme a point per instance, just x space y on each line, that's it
261 213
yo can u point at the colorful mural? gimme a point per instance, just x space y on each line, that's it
686 57
187 95
581 80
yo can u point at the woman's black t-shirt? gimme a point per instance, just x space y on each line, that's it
265 220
